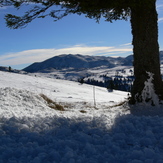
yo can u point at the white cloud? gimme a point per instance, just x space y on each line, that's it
160 19
127 44
159 6
38 55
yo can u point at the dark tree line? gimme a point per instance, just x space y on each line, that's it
112 83
122 84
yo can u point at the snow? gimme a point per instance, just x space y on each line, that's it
31 132
149 92
95 73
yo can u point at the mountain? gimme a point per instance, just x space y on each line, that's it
76 67
78 62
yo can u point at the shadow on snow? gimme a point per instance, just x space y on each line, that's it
129 138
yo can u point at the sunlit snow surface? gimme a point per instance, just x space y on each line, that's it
31 132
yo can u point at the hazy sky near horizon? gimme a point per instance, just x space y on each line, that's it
44 38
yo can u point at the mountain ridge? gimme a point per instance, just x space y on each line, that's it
78 61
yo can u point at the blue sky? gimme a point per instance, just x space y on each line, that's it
44 38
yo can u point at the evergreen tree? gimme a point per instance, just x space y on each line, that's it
81 81
110 86
143 18
9 68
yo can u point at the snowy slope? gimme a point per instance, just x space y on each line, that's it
60 90
31 132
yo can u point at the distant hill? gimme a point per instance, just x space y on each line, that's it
2 68
78 62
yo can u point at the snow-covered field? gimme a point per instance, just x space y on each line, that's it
87 131
95 73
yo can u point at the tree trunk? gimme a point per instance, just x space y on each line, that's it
146 50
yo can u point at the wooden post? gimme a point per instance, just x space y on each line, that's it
94 97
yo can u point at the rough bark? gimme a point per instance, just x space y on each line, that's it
146 49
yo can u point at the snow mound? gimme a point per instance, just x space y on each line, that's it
20 103
148 92
101 139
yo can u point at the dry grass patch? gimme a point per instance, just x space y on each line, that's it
52 104
83 111
119 104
